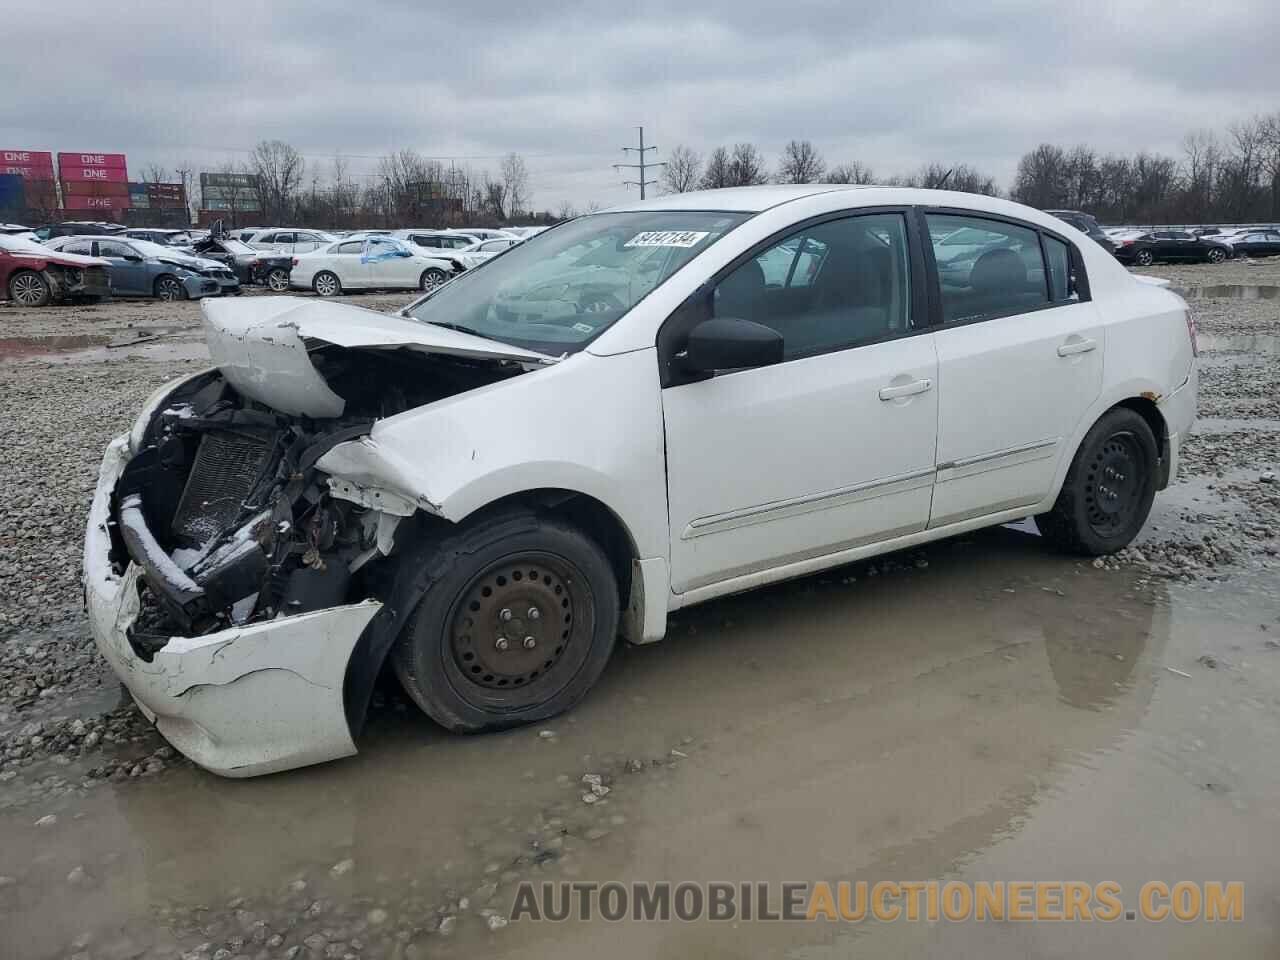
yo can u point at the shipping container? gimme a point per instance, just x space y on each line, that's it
94 188
77 174
30 164
41 194
27 171
13 193
106 161
96 203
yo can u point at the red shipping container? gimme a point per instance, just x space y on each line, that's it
96 203
33 159
109 161
27 172
71 174
41 193
94 188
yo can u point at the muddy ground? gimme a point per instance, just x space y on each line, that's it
978 710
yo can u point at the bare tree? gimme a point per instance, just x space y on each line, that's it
515 181
496 198
747 166
280 169
565 211
719 170
682 172
851 172
185 172
155 173
801 163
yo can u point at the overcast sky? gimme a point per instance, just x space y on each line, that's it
893 84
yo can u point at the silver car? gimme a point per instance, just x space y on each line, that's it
140 268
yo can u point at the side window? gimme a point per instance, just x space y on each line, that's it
109 248
828 286
351 246
986 268
80 246
1059 262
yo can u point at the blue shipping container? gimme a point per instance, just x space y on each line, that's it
13 195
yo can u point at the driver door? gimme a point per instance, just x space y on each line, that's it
128 269
388 266
832 448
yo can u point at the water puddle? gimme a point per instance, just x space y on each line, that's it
25 348
92 348
1231 291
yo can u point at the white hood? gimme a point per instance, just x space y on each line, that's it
261 346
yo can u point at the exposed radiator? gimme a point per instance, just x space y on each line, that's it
226 469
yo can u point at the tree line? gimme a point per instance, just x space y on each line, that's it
1233 176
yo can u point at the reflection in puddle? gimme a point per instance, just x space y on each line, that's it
1262 343
161 344
1230 291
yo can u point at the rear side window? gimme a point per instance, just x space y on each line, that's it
986 268
1059 262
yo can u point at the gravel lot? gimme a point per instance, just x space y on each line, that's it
72 378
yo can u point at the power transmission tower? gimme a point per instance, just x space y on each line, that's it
642 166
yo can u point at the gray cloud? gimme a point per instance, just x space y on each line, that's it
894 85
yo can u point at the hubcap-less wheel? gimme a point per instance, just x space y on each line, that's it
28 289
327 285
432 279
1144 258
1114 484
523 622
168 289
278 281
1216 256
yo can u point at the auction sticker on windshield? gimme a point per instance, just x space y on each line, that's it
668 238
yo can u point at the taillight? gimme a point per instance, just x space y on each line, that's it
1191 332
1126 243
295 261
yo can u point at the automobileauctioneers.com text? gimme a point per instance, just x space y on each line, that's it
886 901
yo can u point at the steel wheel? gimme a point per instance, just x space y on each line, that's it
327 284
432 278
278 280
29 289
1114 484
168 288
522 622
1144 258
1216 256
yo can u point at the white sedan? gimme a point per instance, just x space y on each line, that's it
372 263
637 411
478 253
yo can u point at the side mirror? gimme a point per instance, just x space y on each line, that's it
724 343
133 258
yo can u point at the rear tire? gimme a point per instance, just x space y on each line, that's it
327 284
1144 258
28 289
1215 255
517 623
1108 491
278 280
432 278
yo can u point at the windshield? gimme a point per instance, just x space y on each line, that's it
149 249
557 291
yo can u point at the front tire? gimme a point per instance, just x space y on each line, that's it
1215 255
1109 488
1144 258
28 289
517 624
326 284
432 278
169 288
278 280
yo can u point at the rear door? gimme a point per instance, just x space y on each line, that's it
388 266
1020 351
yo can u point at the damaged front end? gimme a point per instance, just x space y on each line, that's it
229 580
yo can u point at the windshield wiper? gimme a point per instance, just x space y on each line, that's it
456 326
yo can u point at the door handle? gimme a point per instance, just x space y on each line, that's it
1072 347
905 389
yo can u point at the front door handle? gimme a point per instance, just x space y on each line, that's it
905 389
1072 347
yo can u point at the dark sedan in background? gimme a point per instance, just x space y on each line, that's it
1086 224
1167 245
1256 243
250 265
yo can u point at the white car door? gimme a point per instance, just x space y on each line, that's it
831 448
1019 362
390 264
346 259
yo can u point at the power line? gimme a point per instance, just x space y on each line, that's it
641 166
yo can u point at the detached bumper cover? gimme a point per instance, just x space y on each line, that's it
241 702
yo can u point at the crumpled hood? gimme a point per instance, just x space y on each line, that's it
261 346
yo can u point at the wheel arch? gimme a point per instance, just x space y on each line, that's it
1146 408
1139 396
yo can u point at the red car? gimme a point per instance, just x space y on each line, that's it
32 275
